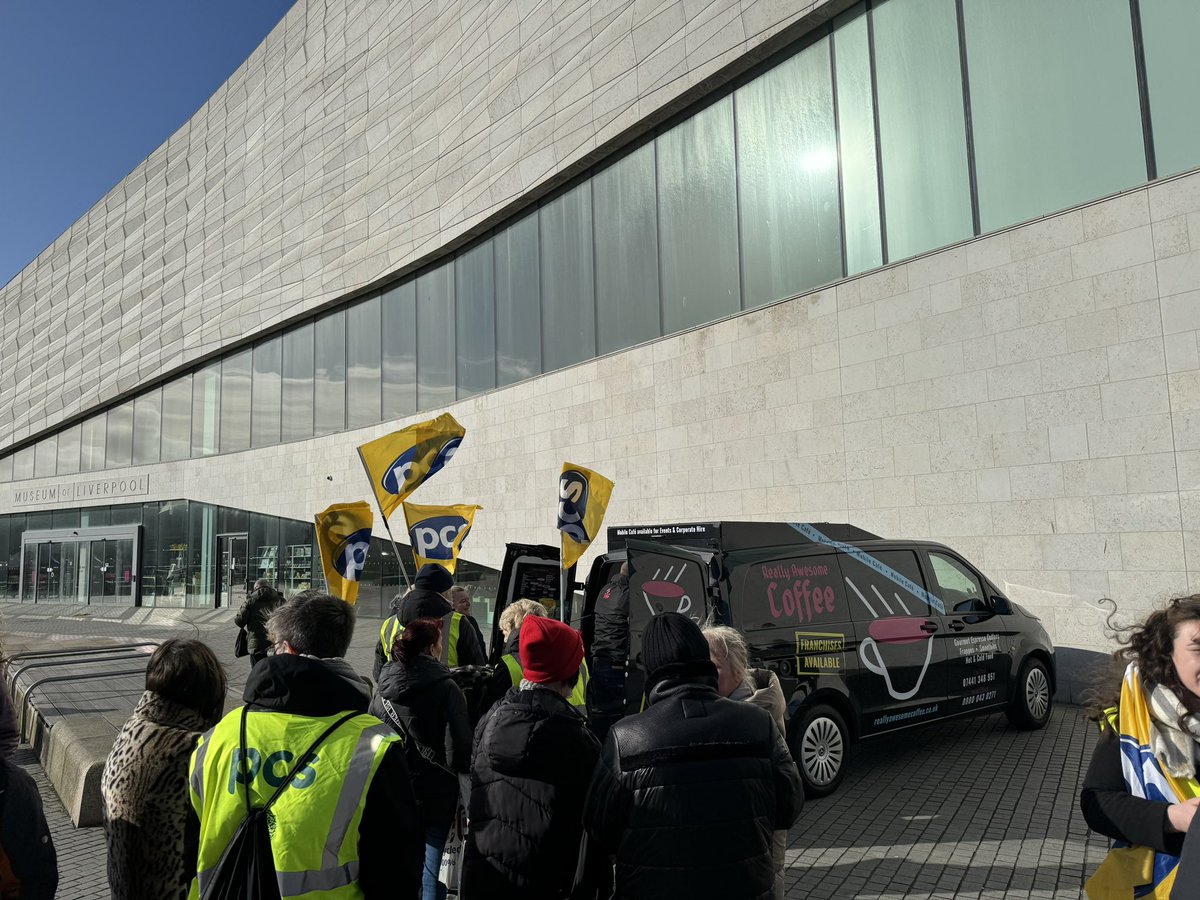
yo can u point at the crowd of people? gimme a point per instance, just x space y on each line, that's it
444 771
497 780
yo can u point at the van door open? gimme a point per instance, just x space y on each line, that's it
664 578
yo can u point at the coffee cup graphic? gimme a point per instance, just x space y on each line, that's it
892 641
662 594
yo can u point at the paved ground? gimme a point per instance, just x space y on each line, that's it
969 809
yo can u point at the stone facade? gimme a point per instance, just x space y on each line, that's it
359 139
1031 398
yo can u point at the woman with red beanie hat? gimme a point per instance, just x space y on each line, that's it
533 762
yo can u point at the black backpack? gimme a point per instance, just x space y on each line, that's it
246 869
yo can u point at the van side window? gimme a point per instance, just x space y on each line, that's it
788 593
956 585
888 583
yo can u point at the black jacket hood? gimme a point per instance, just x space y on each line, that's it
527 727
306 686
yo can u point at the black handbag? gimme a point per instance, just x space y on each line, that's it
241 645
246 869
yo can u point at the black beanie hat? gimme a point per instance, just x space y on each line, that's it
673 644
433 577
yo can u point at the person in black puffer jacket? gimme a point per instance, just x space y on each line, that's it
531 770
687 793
420 700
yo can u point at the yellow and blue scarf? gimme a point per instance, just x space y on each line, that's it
1130 871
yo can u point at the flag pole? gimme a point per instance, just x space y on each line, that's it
562 583
386 526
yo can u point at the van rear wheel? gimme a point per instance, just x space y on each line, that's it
1030 706
821 747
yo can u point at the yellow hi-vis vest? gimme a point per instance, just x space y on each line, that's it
578 698
450 638
314 823
387 634
513 663
392 627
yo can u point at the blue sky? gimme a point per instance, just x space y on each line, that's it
88 89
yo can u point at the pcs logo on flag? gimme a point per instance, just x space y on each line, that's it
350 556
434 538
572 505
400 471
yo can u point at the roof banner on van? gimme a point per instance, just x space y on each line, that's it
871 562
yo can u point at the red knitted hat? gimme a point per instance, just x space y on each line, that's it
550 650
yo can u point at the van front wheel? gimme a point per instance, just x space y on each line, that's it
821 747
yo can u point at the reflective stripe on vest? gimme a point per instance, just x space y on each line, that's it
515 672
450 641
578 698
314 836
387 635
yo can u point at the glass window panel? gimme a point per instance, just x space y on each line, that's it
475 320
235 401
23 464
201 555
926 187
787 175
297 421
6 468
626 220
147 425
91 444
265 393
296 540
329 373
399 312
363 380
177 419
68 451
856 135
568 297
1169 29
1054 105
206 405
45 457
168 580
435 330
697 197
518 302
118 443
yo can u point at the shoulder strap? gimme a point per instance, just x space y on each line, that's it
301 762
409 740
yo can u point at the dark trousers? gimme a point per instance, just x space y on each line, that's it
606 704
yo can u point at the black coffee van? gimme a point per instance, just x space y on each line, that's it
868 636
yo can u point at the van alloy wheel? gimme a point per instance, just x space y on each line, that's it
820 750
1037 692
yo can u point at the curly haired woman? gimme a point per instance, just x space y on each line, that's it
1141 788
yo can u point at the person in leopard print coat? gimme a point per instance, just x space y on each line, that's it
149 825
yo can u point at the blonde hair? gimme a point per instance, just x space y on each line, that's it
514 614
729 644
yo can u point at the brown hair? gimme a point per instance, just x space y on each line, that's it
417 637
1150 644
187 672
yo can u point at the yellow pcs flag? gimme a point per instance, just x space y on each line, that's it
344 536
437 532
582 501
399 462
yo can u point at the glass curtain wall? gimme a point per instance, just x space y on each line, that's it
901 127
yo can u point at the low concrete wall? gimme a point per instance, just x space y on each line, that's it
74 757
